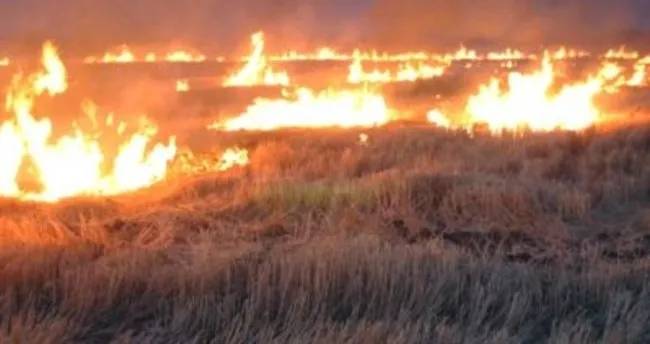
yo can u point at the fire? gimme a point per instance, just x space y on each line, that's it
508 55
307 109
358 75
621 54
322 54
563 53
411 72
73 164
182 86
4 61
233 157
529 103
257 71
438 118
184 56
640 77
407 72
123 55
462 54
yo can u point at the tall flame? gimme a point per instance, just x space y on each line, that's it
257 71
72 164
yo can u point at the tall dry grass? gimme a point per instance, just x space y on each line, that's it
419 236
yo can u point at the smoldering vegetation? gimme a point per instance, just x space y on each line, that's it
419 235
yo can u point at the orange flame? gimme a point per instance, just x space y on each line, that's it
70 165
529 104
257 71
306 109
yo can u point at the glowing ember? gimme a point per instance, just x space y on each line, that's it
306 109
257 71
529 103
71 165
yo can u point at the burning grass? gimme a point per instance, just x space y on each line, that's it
416 235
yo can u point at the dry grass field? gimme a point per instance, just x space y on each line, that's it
417 236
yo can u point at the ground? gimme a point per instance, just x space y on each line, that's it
419 235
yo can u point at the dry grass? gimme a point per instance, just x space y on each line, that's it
420 236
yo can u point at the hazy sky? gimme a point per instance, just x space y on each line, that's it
224 24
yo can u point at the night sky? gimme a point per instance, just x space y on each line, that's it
223 25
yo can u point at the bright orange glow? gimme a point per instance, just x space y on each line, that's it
257 71
307 109
412 72
407 72
621 54
508 55
438 118
123 55
182 86
563 53
233 157
184 57
4 61
640 77
529 103
462 54
73 164
323 54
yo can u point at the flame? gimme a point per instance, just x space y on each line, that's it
564 53
621 54
528 102
307 109
233 157
257 71
640 77
73 164
184 56
358 75
407 72
182 86
462 54
4 61
410 72
438 118
322 54
123 55
508 55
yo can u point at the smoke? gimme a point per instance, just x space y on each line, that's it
222 26
586 23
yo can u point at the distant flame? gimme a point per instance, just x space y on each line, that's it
257 71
